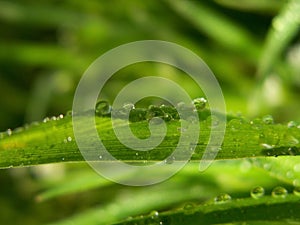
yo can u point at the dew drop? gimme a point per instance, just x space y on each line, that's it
61 116
46 119
257 192
267 146
297 167
292 124
199 103
296 182
268 119
53 118
170 160
154 214
69 139
292 151
9 132
279 192
69 113
102 108
169 112
154 111
297 191
222 198
63 159
100 156
156 120
137 115
189 208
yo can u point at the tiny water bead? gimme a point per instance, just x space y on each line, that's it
222 198
199 103
154 111
137 114
257 192
170 160
9 132
154 214
279 192
46 119
268 119
292 124
297 191
102 108
189 208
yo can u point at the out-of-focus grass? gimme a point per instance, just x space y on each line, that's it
46 46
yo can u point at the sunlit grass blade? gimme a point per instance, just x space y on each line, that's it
53 141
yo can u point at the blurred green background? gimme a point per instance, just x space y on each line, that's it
45 47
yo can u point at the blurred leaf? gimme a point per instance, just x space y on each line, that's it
284 27
219 27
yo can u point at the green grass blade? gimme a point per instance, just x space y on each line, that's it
236 210
284 27
228 33
53 141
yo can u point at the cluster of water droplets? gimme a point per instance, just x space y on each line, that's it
165 112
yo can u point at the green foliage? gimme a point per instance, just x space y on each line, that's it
253 49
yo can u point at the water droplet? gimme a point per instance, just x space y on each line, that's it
69 139
170 160
137 114
279 192
102 108
293 151
199 103
296 182
292 124
267 146
61 116
46 119
100 156
268 119
156 120
212 121
53 118
136 153
297 167
128 106
222 198
9 132
154 214
154 111
257 192
63 159
69 113
169 112
297 191
189 208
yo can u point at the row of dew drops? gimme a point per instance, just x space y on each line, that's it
166 112
103 108
256 193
